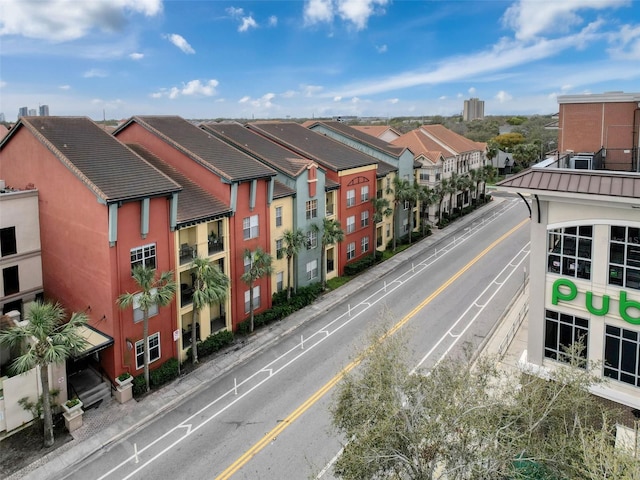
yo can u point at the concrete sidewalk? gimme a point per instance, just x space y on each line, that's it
109 423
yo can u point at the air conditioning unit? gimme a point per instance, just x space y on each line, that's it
581 161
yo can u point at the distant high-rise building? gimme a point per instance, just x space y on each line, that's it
23 112
44 110
33 112
2 119
473 109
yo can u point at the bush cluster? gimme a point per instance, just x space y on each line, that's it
213 343
360 265
281 308
158 377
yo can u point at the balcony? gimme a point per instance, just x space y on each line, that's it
331 208
186 294
215 244
616 159
188 253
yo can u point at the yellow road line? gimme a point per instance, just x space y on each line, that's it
277 430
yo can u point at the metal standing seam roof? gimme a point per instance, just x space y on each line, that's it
362 137
106 166
195 204
214 154
254 144
589 182
324 150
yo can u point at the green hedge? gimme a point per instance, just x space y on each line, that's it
158 377
213 343
281 308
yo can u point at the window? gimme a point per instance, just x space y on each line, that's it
279 249
364 244
11 280
153 344
624 257
247 263
424 175
569 251
138 315
561 332
312 239
351 224
250 227
351 198
256 299
364 194
621 353
364 219
388 230
8 241
405 225
406 205
312 209
279 281
144 256
388 183
312 269
351 250
278 216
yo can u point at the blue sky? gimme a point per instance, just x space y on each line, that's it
313 58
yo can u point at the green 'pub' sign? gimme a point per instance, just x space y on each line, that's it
564 290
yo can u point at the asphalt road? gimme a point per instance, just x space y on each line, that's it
268 418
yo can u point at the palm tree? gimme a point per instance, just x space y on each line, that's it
477 176
210 286
401 191
331 233
293 241
426 197
452 188
47 339
441 191
381 209
153 292
259 266
490 176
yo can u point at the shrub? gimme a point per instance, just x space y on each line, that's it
213 343
139 385
165 373
123 376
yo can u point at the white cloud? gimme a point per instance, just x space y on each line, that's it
180 42
244 99
356 12
393 101
337 98
64 20
443 97
626 43
65 87
247 23
316 11
191 88
235 12
381 48
503 97
310 90
3 84
355 100
289 94
94 73
472 91
264 101
273 21
136 56
532 18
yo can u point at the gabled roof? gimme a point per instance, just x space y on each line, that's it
107 167
385 169
450 140
621 185
376 130
420 145
204 148
254 144
280 190
320 148
195 204
361 137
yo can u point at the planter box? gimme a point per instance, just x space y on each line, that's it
124 393
75 408
126 381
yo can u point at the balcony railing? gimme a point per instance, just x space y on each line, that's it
617 159
330 209
215 244
188 253
186 294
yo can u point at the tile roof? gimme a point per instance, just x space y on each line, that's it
362 137
254 144
450 139
104 164
211 152
280 190
588 182
420 144
375 130
195 204
320 148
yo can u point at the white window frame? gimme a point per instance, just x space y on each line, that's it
311 209
364 244
278 216
351 250
364 219
153 344
256 299
312 269
138 316
279 281
144 255
250 227
364 194
312 239
351 224
247 263
351 198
